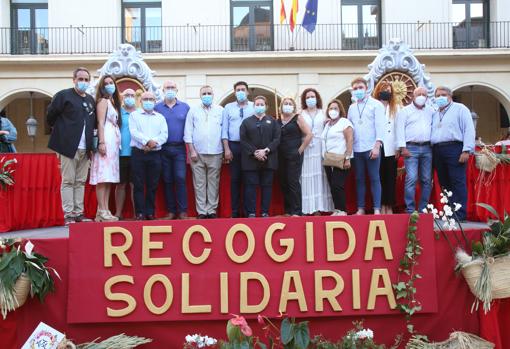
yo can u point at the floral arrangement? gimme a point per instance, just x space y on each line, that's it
17 259
199 341
6 172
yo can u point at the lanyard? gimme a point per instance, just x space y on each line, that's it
444 113
362 110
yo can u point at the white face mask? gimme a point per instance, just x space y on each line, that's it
333 114
420 100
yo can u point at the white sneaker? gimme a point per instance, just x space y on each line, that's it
360 212
377 211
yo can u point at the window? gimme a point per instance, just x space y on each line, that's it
361 24
29 33
252 25
141 24
470 23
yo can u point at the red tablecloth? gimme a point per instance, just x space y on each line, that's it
34 200
454 303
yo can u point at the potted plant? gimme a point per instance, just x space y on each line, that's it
487 270
6 173
22 271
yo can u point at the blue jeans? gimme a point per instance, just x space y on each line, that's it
362 162
145 169
420 160
236 179
452 174
173 162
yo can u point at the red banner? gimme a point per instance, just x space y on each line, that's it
209 269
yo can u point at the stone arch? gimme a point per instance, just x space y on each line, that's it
13 94
490 103
344 96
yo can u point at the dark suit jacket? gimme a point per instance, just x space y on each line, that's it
67 114
255 135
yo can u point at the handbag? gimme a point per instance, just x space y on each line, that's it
332 159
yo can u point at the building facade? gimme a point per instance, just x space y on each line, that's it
464 44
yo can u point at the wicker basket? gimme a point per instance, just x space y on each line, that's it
499 271
22 289
457 340
486 160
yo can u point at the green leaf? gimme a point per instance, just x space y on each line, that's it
488 208
302 336
287 329
261 345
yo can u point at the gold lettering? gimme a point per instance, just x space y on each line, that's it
186 308
185 244
147 294
287 243
229 246
148 245
123 297
375 290
356 292
287 295
332 256
310 257
224 292
119 251
243 303
383 243
321 294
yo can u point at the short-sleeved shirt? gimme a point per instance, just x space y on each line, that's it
333 139
125 136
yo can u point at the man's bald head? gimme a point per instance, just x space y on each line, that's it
129 92
148 95
169 85
420 91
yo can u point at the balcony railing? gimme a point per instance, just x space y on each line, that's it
261 37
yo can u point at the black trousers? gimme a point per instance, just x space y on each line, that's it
252 180
289 173
336 179
388 175
145 171
236 179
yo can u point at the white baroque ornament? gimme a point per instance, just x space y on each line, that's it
397 56
126 61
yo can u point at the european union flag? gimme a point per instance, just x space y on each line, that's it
310 18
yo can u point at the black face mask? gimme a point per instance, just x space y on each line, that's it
384 95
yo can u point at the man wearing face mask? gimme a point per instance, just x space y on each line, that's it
202 133
367 116
72 116
173 152
413 139
148 133
233 115
453 139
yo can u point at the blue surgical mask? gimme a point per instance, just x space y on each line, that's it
441 101
287 108
129 102
206 100
110 89
241 96
170 94
82 86
148 105
359 94
311 102
260 109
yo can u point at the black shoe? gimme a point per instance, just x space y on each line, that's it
252 215
201 216
150 217
235 215
212 216
139 217
265 215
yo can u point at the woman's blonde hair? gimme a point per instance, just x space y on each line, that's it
288 99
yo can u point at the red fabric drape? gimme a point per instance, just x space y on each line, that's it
34 200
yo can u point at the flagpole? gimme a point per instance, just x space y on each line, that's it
276 105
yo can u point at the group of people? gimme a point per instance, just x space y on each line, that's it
312 148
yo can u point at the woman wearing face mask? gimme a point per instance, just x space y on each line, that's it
295 137
260 137
316 196
388 168
105 162
337 139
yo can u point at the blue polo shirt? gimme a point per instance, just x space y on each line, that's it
175 119
125 136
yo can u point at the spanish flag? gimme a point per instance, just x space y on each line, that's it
283 14
293 14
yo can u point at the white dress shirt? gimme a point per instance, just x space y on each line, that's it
333 139
367 117
144 126
454 123
414 125
389 138
203 129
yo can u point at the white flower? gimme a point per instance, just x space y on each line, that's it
444 218
448 211
29 247
424 210
457 206
445 224
430 206
453 224
443 200
449 193
210 341
368 333
15 161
